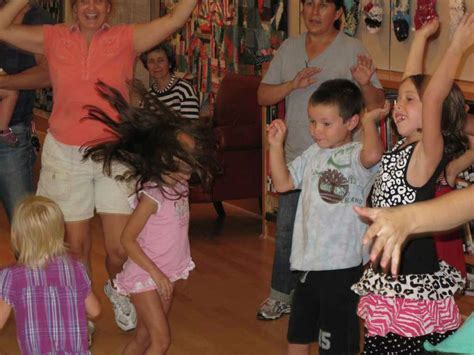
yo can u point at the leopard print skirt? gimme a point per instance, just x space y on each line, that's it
437 286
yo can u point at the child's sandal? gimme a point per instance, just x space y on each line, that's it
8 137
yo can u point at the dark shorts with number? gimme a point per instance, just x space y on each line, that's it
324 310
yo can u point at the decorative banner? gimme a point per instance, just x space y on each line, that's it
401 19
351 17
425 11
227 36
373 14
457 9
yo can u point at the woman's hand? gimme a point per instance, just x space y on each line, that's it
388 232
363 71
304 78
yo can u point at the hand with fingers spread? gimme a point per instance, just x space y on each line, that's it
388 232
305 78
363 71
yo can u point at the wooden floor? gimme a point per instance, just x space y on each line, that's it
214 310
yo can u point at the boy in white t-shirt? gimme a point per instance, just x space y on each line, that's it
334 174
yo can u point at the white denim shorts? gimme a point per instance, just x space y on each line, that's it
78 186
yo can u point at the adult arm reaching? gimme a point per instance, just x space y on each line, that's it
392 227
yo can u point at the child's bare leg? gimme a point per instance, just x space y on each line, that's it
153 328
298 349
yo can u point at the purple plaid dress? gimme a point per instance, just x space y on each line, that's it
49 306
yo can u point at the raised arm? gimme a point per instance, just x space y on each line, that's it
33 78
148 35
392 226
372 146
268 94
439 88
28 38
279 171
145 208
362 73
414 63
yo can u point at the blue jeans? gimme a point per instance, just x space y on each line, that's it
283 279
16 168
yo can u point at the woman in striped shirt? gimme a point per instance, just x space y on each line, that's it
176 93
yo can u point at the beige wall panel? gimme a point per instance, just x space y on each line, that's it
388 53
378 45
437 47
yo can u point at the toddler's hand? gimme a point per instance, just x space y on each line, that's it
276 132
363 71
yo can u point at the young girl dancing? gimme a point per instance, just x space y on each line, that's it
161 151
49 291
401 313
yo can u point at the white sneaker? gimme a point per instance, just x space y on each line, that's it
124 310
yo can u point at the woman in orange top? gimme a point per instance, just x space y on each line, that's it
79 56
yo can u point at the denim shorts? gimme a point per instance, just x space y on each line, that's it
79 186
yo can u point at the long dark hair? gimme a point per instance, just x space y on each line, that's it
453 117
148 143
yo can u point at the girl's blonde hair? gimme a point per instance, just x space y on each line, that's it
37 231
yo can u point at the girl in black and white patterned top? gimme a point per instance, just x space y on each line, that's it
401 313
176 93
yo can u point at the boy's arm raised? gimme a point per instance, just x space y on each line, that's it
372 146
279 171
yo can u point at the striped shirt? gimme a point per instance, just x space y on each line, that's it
181 98
49 305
